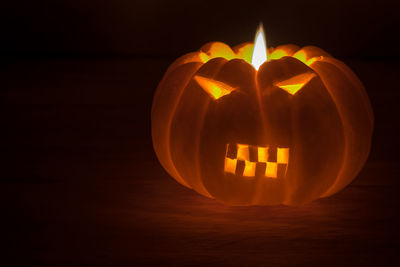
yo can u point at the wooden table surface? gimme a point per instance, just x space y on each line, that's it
83 185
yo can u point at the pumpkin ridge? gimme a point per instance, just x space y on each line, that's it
171 116
258 189
198 185
351 77
346 144
349 130
201 126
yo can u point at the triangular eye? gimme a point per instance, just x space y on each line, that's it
214 88
294 84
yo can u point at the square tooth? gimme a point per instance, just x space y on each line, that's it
271 170
262 154
243 152
249 168
283 155
230 165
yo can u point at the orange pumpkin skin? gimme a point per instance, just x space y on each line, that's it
326 126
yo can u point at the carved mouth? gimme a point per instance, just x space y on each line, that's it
260 161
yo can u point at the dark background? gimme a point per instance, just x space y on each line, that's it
82 183
149 28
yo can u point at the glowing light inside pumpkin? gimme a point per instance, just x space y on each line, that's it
282 155
260 49
262 154
230 165
272 167
214 88
243 152
294 84
249 168
278 53
271 170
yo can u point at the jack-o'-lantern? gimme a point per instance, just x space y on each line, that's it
286 130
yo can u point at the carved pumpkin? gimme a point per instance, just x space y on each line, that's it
297 129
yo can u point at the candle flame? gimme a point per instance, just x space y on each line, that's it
260 48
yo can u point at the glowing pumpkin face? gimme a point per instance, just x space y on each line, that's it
296 129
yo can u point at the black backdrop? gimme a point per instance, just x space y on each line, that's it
355 28
82 183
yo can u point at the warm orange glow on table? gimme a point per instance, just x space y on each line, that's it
254 126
